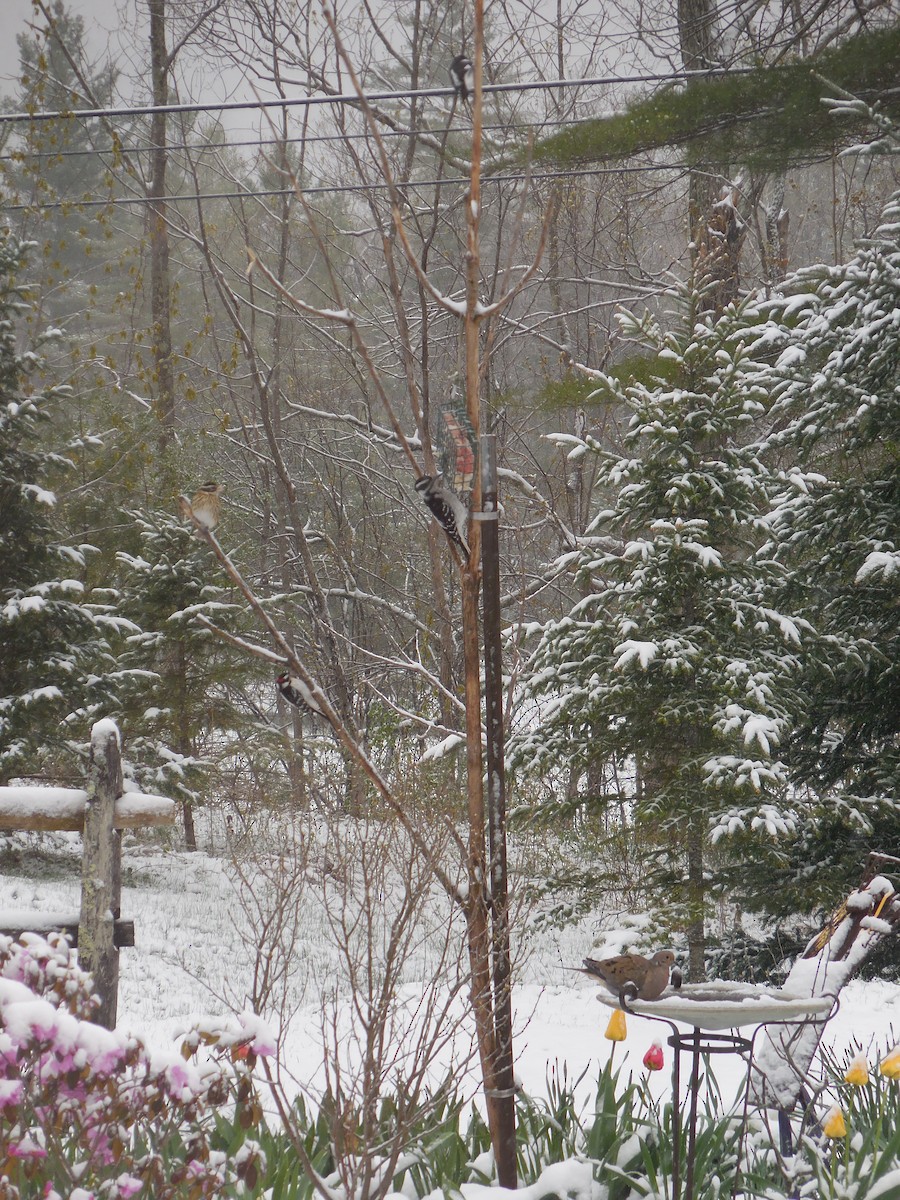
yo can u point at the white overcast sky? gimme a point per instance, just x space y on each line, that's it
16 15
116 30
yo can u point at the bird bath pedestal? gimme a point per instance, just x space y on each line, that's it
709 1009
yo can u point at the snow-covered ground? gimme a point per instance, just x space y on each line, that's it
194 956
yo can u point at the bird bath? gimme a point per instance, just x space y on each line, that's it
726 1005
709 1008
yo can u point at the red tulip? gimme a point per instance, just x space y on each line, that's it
653 1059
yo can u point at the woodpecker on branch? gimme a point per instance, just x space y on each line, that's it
462 77
297 693
446 508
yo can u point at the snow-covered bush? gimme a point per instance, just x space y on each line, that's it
87 1112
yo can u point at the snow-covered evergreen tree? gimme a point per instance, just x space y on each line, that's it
675 661
191 695
834 344
55 660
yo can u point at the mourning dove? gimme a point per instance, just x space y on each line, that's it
633 977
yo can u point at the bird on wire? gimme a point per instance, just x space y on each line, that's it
462 77
206 503
634 977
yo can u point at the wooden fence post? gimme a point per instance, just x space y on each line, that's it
101 870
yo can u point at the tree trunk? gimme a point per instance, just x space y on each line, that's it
496 808
696 35
500 1118
696 936
160 283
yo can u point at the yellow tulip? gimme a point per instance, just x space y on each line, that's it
616 1030
858 1072
890 1066
834 1125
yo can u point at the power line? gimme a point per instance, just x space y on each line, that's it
84 114
23 155
337 189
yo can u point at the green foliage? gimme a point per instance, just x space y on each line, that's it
183 689
676 660
833 347
765 119
568 392
55 658
738 955
864 1162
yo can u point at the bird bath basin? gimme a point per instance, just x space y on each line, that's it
709 1008
726 1005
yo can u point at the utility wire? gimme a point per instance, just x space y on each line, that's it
84 114
336 189
345 188
23 155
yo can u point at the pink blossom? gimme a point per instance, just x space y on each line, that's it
263 1043
108 1061
98 1140
11 1092
8 1049
128 1186
177 1076
27 1148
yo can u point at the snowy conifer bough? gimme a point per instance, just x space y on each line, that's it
55 657
676 661
833 343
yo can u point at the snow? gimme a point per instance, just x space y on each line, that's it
40 494
887 1185
880 563
30 802
629 650
725 1005
22 806
571 1178
193 958
102 731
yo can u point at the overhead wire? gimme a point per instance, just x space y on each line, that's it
348 99
352 99
349 188
149 147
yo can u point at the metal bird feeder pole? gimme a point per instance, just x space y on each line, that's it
492 1020
496 803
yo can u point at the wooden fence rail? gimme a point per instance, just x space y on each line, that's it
99 812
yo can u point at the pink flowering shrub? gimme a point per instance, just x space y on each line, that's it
87 1113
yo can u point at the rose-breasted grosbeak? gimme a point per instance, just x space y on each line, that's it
206 505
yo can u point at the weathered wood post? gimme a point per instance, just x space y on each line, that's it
101 870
